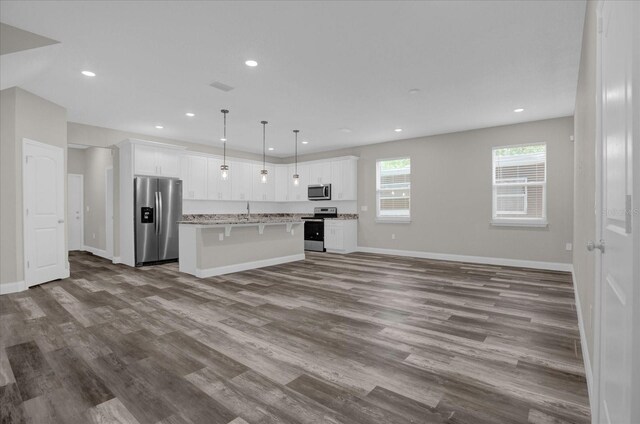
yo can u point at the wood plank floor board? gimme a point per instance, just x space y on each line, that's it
358 338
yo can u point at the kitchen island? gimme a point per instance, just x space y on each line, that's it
213 245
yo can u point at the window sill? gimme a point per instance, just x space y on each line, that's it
393 220
519 223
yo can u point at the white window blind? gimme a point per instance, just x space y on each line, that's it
393 189
520 184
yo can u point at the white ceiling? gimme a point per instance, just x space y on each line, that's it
323 66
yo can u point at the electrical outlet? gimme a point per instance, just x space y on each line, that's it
87 208
568 247
220 236
364 208
93 235
393 236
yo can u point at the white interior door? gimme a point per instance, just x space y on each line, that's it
109 211
44 213
75 215
618 294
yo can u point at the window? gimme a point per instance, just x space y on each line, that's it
520 185
393 189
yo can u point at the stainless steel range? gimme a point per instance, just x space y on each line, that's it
314 228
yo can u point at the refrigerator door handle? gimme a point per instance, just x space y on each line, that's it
161 213
156 211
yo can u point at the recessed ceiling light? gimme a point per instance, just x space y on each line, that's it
159 127
398 130
251 63
346 130
518 110
271 148
190 114
223 139
305 142
88 74
414 91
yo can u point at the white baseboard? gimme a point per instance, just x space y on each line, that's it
221 270
96 251
117 260
13 287
583 344
553 266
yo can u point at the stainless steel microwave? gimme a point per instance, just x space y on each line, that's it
319 192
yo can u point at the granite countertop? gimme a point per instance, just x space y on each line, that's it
345 216
254 218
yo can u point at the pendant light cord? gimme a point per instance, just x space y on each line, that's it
224 136
264 130
296 133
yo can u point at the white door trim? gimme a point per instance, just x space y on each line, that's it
81 208
25 244
108 219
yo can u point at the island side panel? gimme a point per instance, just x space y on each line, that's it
187 245
246 248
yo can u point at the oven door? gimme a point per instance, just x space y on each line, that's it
314 235
319 192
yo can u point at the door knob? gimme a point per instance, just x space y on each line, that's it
591 246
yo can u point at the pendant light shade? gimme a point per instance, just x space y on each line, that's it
264 172
296 177
224 168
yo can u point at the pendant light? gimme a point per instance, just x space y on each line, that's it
224 168
264 172
296 177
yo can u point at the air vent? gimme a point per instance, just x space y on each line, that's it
221 86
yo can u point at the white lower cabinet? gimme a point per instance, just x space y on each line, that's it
341 235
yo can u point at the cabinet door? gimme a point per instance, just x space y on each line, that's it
283 181
241 180
168 162
217 188
320 173
333 235
145 161
263 191
337 180
299 193
350 179
195 177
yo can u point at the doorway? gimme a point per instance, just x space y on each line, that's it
75 215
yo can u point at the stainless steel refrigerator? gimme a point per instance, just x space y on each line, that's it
158 208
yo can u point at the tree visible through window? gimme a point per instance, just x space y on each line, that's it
519 184
393 189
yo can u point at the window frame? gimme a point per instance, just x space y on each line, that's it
391 219
516 220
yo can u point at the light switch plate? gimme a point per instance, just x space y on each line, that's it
364 208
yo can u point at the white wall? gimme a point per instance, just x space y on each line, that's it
452 194
25 115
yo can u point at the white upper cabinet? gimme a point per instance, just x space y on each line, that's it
344 179
284 181
217 188
194 175
241 180
149 160
320 173
299 193
264 192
